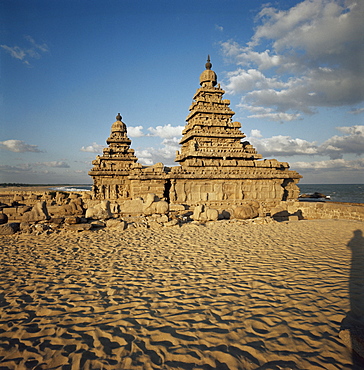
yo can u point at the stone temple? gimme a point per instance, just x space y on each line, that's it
217 168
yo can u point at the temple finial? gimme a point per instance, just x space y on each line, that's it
118 117
208 65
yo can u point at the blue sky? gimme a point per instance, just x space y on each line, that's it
293 71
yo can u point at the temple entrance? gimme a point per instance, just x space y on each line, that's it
167 188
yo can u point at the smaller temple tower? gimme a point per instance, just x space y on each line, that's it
111 170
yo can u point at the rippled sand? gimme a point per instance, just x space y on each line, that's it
220 296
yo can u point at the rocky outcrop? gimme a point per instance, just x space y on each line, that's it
38 213
100 210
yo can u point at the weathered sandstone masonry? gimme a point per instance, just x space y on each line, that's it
216 167
318 210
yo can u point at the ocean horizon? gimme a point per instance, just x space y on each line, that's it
346 193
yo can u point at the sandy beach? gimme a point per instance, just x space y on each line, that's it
218 296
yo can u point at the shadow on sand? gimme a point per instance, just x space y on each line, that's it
352 327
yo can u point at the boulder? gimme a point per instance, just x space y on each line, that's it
9 229
132 207
246 212
38 213
116 223
153 205
99 211
198 210
3 218
97 224
171 223
73 207
203 213
72 220
212 214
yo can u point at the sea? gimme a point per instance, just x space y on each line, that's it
72 188
352 193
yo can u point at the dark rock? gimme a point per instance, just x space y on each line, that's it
9 229
56 220
3 218
71 220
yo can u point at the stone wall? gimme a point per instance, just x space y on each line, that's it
318 210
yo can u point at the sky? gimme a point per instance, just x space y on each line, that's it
293 71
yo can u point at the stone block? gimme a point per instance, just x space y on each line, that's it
177 207
134 206
78 227
99 211
72 220
116 223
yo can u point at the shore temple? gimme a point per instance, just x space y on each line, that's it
216 167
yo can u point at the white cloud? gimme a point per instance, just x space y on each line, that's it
353 142
312 56
165 154
278 116
255 133
145 156
18 146
54 164
15 169
31 51
284 146
15 51
93 148
136 131
243 80
219 28
166 131
357 111
335 147
331 164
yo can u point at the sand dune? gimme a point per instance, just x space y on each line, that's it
220 296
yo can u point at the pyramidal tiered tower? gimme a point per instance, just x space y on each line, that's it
116 174
111 170
211 139
216 166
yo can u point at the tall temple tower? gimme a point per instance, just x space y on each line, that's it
211 138
216 166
